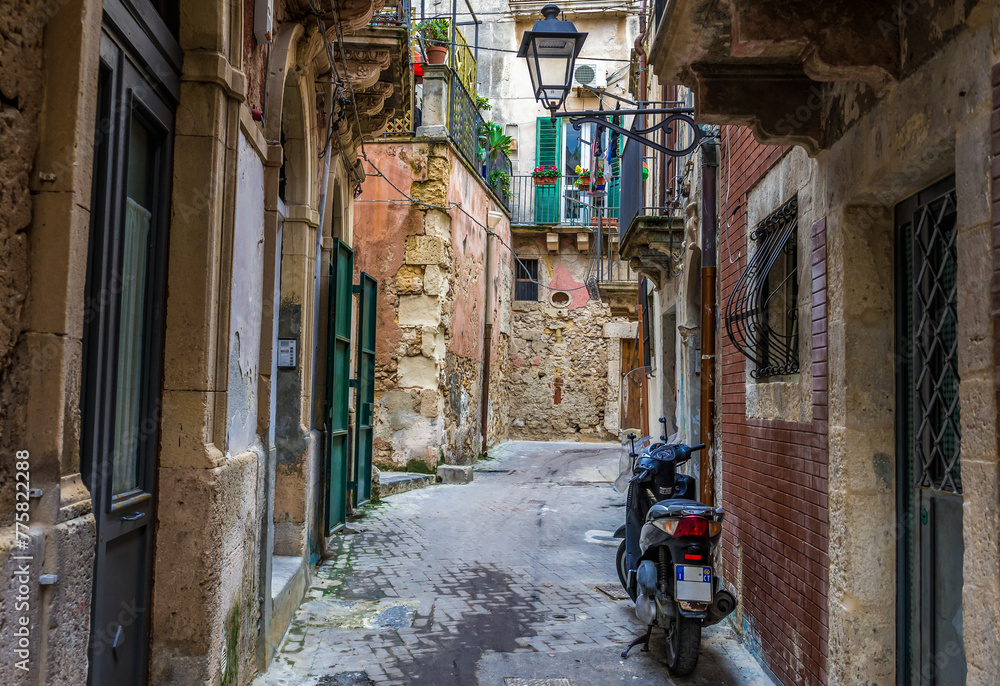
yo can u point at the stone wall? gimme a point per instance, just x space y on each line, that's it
559 384
432 305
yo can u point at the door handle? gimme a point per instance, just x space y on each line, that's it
132 516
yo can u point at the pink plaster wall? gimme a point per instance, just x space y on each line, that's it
381 228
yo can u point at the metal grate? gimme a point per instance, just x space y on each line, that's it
762 310
613 591
517 681
937 434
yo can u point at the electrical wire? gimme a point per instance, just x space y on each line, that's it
514 52
410 200
336 74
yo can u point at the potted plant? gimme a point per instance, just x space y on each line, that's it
494 140
583 179
545 176
500 181
437 36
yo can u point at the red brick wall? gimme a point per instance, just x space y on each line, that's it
774 473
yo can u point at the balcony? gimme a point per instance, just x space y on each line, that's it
653 233
796 52
448 107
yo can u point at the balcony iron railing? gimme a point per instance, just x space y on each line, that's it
563 202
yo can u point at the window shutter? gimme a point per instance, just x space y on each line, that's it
547 155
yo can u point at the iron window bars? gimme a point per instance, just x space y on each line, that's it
526 280
762 311
934 345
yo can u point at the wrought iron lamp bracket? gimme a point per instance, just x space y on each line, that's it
673 116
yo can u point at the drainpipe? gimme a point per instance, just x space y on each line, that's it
709 178
487 342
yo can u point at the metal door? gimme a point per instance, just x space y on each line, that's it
929 481
365 384
122 349
338 385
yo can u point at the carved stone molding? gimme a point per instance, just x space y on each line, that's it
652 245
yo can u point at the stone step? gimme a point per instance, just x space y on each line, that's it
392 483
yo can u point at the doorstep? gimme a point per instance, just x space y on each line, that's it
392 483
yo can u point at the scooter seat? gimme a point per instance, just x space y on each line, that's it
679 507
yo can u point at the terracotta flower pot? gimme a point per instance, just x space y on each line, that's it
545 180
437 54
583 186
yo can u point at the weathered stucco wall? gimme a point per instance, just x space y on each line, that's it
431 266
559 383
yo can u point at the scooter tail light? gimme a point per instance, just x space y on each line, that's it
696 527
668 526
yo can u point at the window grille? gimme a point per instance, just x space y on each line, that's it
525 285
933 320
762 311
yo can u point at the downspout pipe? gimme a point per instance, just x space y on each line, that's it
709 260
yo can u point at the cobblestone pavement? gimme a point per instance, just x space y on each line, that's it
493 583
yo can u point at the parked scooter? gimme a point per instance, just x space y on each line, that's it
665 558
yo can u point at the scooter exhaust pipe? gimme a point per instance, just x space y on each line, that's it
722 606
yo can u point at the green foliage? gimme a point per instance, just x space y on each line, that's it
483 103
436 31
500 181
494 139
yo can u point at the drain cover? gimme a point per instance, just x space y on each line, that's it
517 681
614 592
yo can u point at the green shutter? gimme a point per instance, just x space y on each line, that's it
547 149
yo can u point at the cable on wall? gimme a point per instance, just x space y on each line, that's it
408 199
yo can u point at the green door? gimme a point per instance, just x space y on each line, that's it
547 144
365 399
338 385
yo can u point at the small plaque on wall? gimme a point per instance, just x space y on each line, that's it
287 353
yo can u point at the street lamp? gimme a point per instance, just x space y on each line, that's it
551 48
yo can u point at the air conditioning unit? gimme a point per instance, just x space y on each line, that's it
591 75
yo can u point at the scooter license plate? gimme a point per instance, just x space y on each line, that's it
694 583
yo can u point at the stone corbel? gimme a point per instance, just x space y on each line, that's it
652 268
375 126
356 14
834 41
371 101
793 113
364 65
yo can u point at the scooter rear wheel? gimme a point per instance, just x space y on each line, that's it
621 562
683 645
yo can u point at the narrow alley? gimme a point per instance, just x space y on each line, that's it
506 581
322 322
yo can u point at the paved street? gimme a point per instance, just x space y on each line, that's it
494 583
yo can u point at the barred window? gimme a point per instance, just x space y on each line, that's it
762 311
526 279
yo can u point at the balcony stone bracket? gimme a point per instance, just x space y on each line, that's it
652 245
621 296
791 114
732 52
